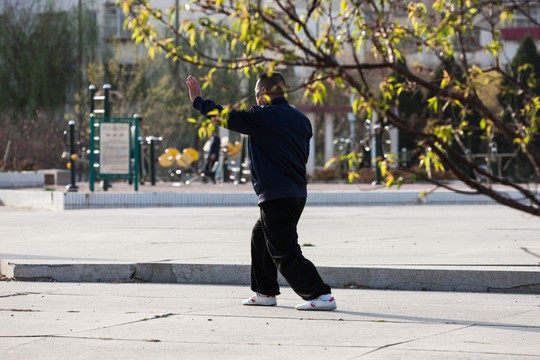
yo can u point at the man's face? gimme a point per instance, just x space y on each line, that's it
260 93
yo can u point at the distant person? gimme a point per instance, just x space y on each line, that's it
212 157
139 144
278 149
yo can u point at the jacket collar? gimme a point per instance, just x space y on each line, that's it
279 100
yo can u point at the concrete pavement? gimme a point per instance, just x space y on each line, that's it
451 248
185 321
92 292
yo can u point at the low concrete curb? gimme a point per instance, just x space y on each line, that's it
23 179
511 279
45 200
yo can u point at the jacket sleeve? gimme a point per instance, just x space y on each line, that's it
205 106
244 122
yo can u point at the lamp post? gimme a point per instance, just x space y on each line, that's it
152 142
72 157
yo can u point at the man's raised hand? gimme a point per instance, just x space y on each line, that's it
194 88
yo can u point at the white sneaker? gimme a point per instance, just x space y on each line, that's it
261 300
318 305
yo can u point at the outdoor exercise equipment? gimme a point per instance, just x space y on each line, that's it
184 160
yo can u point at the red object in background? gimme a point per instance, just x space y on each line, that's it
519 33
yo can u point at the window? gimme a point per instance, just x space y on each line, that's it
114 23
523 21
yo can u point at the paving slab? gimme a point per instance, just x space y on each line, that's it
172 321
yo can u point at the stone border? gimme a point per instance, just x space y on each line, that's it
511 279
47 200
23 179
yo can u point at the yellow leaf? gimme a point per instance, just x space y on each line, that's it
444 82
202 133
317 98
504 16
244 30
355 106
323 90
330 162
383 165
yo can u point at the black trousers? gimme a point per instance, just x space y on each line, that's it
274 247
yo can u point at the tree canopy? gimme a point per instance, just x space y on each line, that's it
359 48
37 57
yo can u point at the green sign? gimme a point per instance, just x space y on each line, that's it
113 149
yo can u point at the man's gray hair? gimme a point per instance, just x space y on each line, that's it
274 83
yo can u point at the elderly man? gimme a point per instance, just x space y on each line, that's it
278 149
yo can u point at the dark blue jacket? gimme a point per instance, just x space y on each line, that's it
278 146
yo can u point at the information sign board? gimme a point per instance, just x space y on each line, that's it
114 155
113 150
